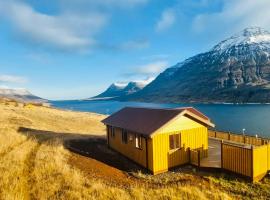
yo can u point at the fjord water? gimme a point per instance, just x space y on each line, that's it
254 118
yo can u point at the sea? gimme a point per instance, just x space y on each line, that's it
250 119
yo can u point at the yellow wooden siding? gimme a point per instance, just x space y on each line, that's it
129 149
160 144
178 124
195 139
268 156
164 158
237 159
260 165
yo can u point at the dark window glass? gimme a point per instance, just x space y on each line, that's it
113 131
124 136
138 141
174 141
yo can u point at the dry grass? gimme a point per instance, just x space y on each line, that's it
34 164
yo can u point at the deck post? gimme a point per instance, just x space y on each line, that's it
189 155
199 158
221 149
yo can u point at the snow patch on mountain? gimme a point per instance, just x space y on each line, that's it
123 88
249 36
120 84
143 83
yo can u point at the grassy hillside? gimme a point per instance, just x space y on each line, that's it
34 164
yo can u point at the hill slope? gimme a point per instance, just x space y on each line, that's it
20 95
34 164
235 70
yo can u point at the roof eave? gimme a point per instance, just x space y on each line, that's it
206 122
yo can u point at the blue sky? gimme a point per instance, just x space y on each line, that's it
69 49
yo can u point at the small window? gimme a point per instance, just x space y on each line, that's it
112 132
138 141
174 141
109 130
124 136
130 137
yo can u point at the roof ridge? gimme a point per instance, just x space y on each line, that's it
156 108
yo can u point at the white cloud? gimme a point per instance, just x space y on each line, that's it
106 3
66 31
166 21
234 16
152 68
135 44
156 57
12 79
147 70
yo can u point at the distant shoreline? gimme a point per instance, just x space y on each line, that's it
192 102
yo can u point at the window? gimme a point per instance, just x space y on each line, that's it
108 130
124 136
130 138
138 141
112 132
174 141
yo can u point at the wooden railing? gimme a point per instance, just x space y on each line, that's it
195 157
246 139
237 159
248 160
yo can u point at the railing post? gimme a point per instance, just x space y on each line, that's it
215 134
244 139
202 151
189 155
199 158
229 136
221 149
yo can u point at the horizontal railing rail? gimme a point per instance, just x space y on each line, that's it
240 138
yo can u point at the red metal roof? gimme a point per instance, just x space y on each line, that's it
146 120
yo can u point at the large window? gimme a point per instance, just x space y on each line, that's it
124 136
174 141
138 141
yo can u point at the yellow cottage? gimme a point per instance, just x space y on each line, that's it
158 139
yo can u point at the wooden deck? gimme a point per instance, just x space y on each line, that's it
214 154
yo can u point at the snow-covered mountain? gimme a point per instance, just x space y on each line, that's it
235 70
120 89
20 94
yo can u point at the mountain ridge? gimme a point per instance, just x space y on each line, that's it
120 89
235 70
20 94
